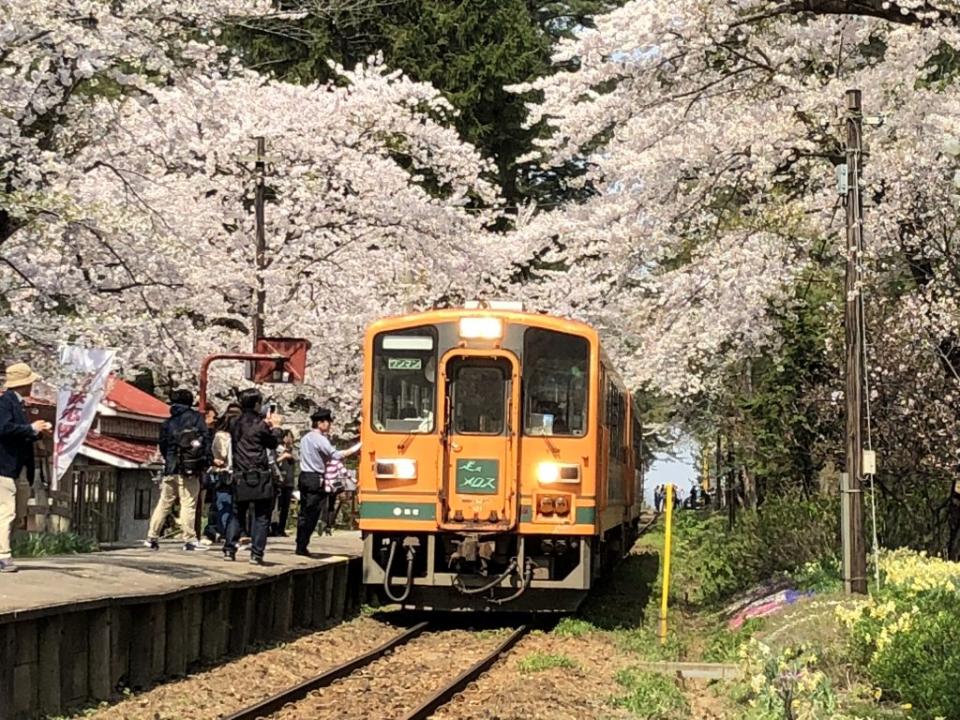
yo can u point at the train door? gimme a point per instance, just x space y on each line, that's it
480 424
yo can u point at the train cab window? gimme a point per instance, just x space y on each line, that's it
555 380
404 380
478 396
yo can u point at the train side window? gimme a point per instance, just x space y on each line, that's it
637 441
616 418
556 369
404 380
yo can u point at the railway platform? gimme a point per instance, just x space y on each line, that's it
79 628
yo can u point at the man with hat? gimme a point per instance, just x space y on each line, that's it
17 437
315 452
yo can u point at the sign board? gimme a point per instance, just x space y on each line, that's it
293 369
404 363
478 477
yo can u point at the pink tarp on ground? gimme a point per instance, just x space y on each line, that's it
767 606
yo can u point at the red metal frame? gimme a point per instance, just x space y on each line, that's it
293 349
210 359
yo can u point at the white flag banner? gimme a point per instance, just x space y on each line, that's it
85 372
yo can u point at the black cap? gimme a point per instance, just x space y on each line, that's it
320 415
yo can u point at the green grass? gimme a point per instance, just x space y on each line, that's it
45 544
647 646
620 600
540 661
650 696
573 627
723 644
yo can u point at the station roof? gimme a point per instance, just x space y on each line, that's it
126 398
119 453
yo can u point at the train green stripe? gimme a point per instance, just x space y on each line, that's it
370 510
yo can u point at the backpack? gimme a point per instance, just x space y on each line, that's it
190 453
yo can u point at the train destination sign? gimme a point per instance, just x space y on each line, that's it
403 363
478 477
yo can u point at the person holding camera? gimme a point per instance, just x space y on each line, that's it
252 436
17 437
185 448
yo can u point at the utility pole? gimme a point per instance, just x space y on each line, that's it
854 548
261 257
732 478
718 493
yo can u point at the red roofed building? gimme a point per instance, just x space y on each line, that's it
125 399
108 492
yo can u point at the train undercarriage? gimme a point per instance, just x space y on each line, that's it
500 572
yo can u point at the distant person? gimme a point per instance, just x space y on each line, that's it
287 469
220 476
17 437
185 448
658 498
207 533
677 499
252 436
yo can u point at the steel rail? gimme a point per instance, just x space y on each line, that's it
298 692
446 693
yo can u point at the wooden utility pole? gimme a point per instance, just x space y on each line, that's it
261 258
731 486
854 548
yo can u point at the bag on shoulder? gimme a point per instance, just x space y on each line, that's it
334 477
253 485
191 455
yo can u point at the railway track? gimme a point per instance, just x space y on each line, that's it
277 706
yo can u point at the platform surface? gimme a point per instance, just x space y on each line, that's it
89 579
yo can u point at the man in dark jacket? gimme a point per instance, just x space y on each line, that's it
185 447
16 450
252 437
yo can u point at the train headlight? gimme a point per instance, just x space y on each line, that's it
549 473
399 469
481 328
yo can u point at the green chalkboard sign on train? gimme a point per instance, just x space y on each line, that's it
403 363
478 477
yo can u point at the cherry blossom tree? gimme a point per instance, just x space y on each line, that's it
135 228
710 130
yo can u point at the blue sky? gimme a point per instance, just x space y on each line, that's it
680 470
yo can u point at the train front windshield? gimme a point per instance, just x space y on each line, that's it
555 371
404 381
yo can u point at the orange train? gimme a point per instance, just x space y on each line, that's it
501 464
